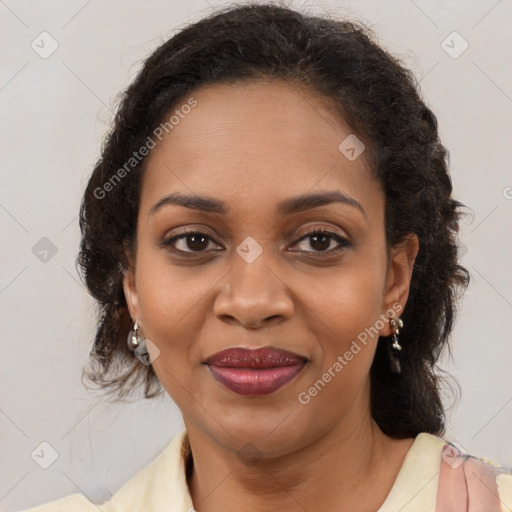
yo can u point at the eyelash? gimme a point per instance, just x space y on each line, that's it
343 242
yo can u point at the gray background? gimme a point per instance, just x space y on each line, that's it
56 110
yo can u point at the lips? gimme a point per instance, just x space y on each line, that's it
255 372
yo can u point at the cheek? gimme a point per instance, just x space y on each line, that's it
172 313
171 307
168 295
345 316
347 302
344 312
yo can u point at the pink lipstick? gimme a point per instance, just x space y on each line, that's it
255 372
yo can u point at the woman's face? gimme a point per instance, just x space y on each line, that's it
253 278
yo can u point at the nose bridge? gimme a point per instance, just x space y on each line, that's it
252 292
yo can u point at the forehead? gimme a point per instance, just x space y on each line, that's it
257 141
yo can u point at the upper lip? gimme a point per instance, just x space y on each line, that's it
266 357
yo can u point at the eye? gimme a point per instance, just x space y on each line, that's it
190 241
321 239
198 242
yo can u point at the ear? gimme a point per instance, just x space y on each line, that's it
399 278
130 292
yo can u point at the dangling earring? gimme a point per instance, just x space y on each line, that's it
134 340
395 347
137 344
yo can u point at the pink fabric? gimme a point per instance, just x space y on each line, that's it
467 484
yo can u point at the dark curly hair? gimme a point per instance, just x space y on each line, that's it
379 99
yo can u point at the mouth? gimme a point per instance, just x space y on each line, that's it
255 372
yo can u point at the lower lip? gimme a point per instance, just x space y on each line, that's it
255 382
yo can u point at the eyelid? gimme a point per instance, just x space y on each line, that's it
324 228
190 230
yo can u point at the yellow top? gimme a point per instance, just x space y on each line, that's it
162 487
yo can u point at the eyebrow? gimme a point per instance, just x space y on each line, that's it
287 207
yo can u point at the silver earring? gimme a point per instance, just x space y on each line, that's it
395 347
397 325
137 344
134 340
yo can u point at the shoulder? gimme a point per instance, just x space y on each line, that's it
161 483
471 479
437 475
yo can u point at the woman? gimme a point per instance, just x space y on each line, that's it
271 235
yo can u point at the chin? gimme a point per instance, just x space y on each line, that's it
265 439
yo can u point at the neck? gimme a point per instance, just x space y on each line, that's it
351 467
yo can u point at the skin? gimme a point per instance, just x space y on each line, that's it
253 145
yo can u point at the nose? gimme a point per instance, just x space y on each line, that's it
253 295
